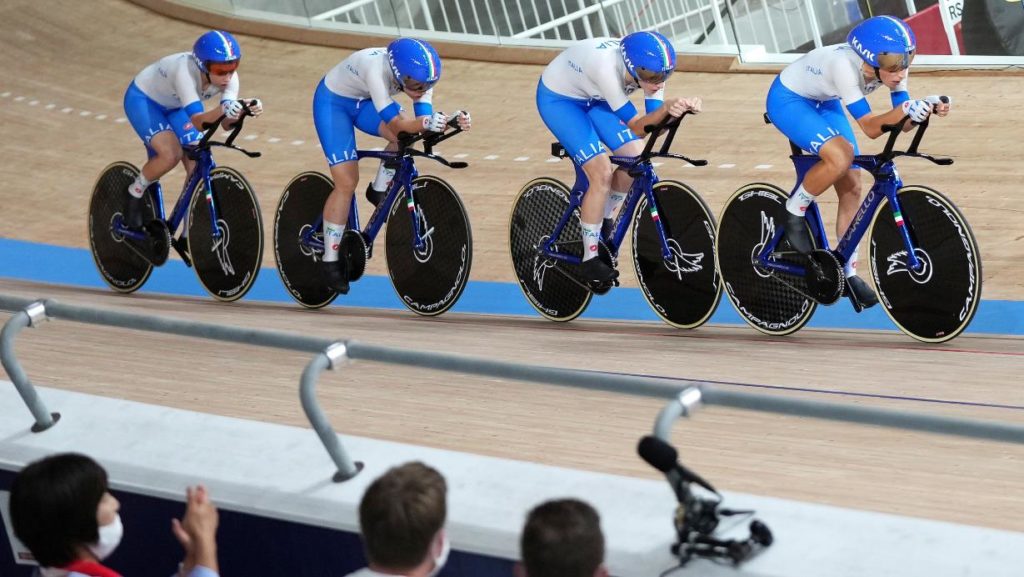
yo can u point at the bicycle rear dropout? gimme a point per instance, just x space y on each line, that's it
222 236
924 258
673 235
429 245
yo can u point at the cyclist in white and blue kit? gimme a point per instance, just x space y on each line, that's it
583 98
806 102
165 106
358 93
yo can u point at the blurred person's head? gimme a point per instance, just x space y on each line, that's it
402 517
62 510
562 538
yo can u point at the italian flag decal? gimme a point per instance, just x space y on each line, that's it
899 218
654 213
409 204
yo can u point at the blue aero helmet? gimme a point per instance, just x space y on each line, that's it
217 47
884 42
415 63
648 56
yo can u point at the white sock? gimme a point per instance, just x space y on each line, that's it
138 186
332 238
591 235
798 203
383 179
850 268
615 200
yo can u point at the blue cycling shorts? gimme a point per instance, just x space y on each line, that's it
582 125
336 118
149 118
807 122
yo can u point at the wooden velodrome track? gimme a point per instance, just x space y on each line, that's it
79 56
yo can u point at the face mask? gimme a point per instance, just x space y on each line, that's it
440 560
110 538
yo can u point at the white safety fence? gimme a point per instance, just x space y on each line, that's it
755 30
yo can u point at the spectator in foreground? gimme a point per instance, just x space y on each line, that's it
402 516
62 510
562 538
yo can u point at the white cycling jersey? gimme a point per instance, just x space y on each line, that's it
175 81
593 70
831 72
367 74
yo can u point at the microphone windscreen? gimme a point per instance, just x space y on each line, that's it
657 453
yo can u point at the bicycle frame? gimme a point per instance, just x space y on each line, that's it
203 156
887 183
405 172
643 185
644 179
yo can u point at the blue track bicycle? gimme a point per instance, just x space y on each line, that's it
673 249
222 236
924 258
429 241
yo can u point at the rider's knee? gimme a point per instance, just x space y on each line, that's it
345 180
838 156
169 155
599 172
345 187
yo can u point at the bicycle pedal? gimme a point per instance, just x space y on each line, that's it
180 246
602 287
861 296
152 249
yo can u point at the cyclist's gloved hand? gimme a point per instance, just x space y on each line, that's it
677 106
917 110
232 108
255 107
435 122
465 122
941 105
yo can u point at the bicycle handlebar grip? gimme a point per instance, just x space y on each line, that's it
669 119
215 123
895 127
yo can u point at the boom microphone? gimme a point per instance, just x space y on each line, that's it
665 458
